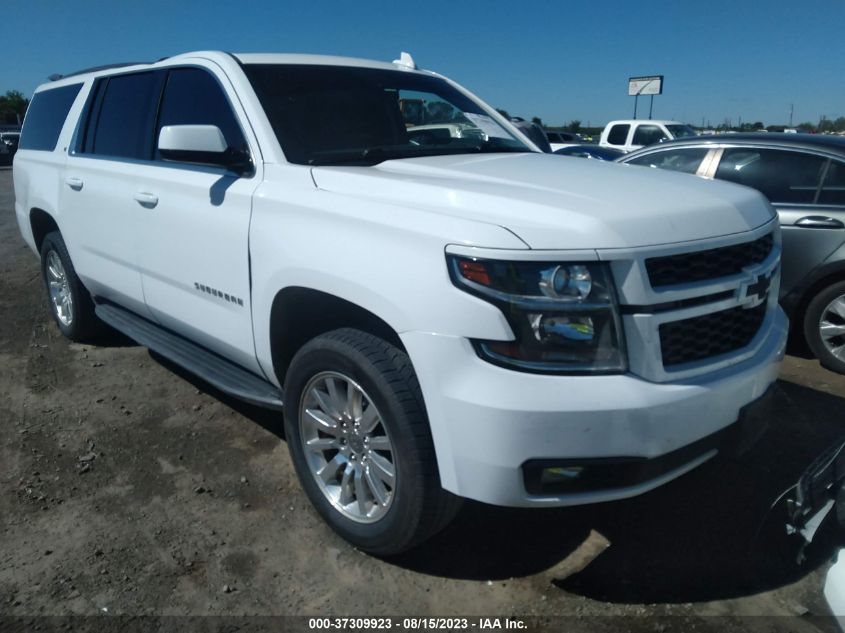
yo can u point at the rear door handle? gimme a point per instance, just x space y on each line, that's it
148 200
819 222
74 183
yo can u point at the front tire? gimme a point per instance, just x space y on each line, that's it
824 326
360 441
70 303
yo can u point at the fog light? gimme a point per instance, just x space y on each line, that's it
560 474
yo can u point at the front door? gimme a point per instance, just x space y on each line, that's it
195 231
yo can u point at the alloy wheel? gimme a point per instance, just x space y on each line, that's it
347 447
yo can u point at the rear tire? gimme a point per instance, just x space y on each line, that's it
359 439
70 303
824 326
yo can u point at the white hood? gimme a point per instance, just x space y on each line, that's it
557 202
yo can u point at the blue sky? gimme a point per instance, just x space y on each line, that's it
560 60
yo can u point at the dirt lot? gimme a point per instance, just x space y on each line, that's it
127 487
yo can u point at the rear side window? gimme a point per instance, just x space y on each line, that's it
46 116
684 160
781 176
648 135
618 134
124 116
193 97
833 187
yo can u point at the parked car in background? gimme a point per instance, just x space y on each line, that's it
803 176
586 150
632 134
559 140
8 146
818 495
535 133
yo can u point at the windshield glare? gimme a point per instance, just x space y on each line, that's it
324 115
680 131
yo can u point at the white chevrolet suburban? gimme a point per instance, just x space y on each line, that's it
438 317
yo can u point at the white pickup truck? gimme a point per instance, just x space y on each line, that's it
630 134
436 317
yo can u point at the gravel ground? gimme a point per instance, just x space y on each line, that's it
130 488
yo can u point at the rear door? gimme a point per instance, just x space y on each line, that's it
811 215
101 220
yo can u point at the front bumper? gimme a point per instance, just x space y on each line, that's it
488 422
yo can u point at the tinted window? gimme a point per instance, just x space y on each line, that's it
46 116
648 135
345 115
833 188
126 115
193 97
618 134
681 131
685 160
782 176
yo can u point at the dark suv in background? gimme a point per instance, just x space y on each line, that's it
8 146
803 176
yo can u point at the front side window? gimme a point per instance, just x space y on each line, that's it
324 115
780 175
833 187
46 116
192 96
618 134
123 115
685 160
648 135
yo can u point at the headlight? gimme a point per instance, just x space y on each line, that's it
563 314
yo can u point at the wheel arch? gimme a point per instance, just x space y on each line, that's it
298 314
41 222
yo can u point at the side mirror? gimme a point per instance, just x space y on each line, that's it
202 144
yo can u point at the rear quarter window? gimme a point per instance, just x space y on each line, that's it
46 116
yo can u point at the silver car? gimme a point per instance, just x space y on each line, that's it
803 176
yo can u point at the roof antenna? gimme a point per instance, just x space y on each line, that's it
406 61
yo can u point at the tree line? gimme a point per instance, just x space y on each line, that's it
13 106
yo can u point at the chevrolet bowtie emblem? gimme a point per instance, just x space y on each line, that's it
757 292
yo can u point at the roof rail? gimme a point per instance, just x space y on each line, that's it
56 77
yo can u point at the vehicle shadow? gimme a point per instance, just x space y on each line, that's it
712 534
708 535
271 421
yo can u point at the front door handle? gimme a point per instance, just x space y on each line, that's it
819 222
74 183
148 200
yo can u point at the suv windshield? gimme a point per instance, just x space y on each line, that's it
333 115
680 131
